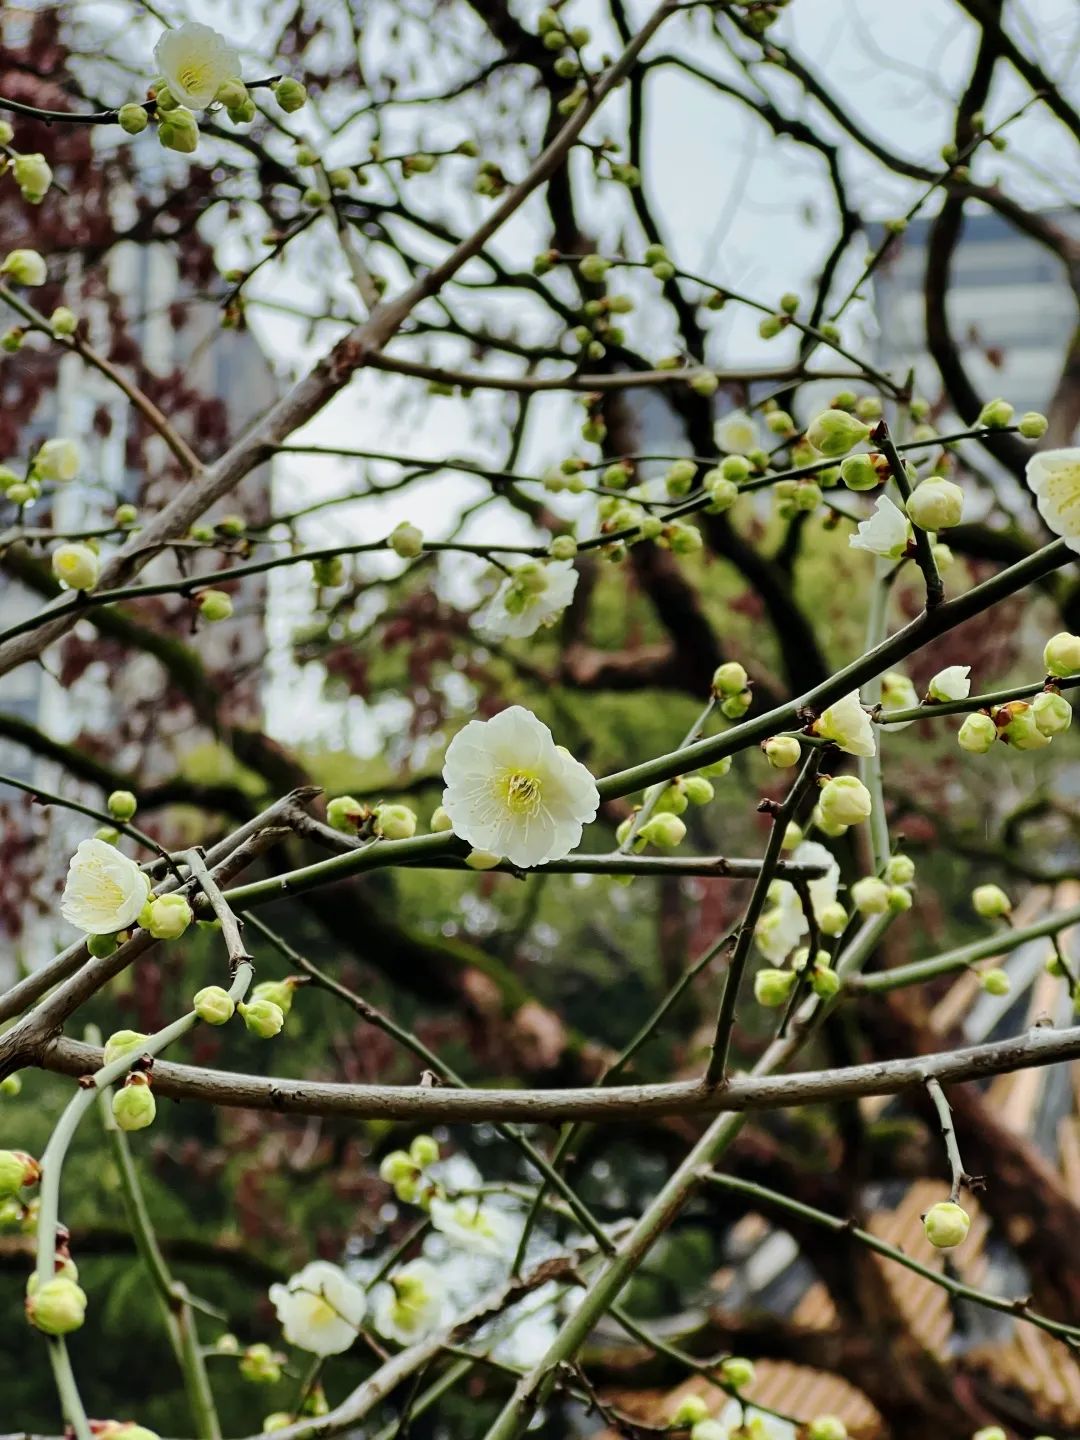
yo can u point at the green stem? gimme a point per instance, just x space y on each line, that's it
870 765
931 709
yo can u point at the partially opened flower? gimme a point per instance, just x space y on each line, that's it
887 532
737 434
534 594
848 725
952 683
410 1305
105 891
1054 478
512 791
480 1227
196 61
783 925
320 1309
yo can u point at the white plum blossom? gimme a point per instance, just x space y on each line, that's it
737 434
886 532
196 61
512 791
477 1226
1054 478
783 925
105 890
533 595
410 1304
848 725
320 1309
823 891
952 683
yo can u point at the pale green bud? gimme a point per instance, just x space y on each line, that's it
346 814
729 678
680 478
260 1365
779 422
869 407
825 983
1032 425
900 870
683 539
440 821
213 1005
108 834
7 133
563 547
793 836
262 1017
1053 713
772 987
18 1171
654 253
123 1042
737 1372
826 1427
178 130
395 822
122 805
25 267
833 919
665 831
133 118
663 270
290 94
709 1430
717 769
977 734
736 706
63 321
995 982
11 1085
870 896
231 94
166 917
482 860
690 1411
33 176
991 1432
782 751
133 1106
936 504
672 801
406 540
58 1307
1021 731
858 472
594 267
705 383
990 901
215 605
698 790
736 468
899 900
1061 654
995 414
807 496
946 1224
424 1150
101 946
722 492
844 800
397 1166
834 432
278 992
277 1420
57 460
769 326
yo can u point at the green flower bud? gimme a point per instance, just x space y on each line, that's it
995 982
899 900
782 751
231 94
33 176
690 1411
858 472
704 383
178 130
1061 655
329 572
1020 730
567 66
654 253
736 706
717 769
870 896
698 790
990 1432
440 821
58 1307
729 679
833 919
482 860
827 1427
807 496
946 1224
995 414
346 814
133 1106
736 468
305 156
554 39
737 1372
710 1429
406 540
936 504
75 564
262 1017
990 901
22 493
663 270
779 422
395 822
278 992
1032 425
722 492
673 801
594 267
900 870
1053 713
682 539
290 94
977 734
424 1150
166 917
108 834
163 96
101 946
215 605
563 547
11 1085
769 326
665 831
835 432
123 1042
772 987
57 460
680 478
844 800
824 983
213 1005
7 133
63 321
122 805
278 1420
18 1171
260 1365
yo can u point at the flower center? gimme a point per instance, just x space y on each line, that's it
519 790
193 76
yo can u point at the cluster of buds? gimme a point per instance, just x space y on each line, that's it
406 1171
888 893
731 687
1028 725
264 1012
31 172
18 1171
384 821
261 1365
57 461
